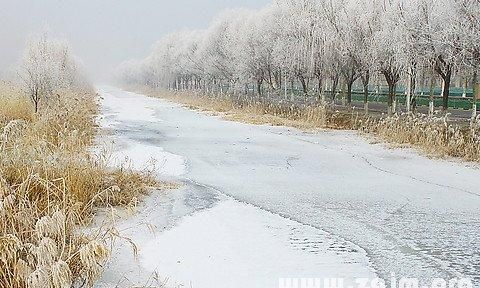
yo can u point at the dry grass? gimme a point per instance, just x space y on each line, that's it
49 185
253 111
13 104
434 136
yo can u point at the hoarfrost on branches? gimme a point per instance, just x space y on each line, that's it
320 45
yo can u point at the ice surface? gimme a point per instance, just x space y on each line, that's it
413 216
127 116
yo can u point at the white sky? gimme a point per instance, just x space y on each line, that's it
103 32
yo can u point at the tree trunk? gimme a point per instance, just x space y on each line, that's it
320 89
391 93
465 87
349 92
334 87
365 82
259 87
35 99
270 79
408 103
35 103
446 89
444 69
413 89
278 79
292 86
344 94
431 102
394 106
476 93
391 81
304 84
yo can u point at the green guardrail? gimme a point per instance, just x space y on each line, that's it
453 102
456 101
454 92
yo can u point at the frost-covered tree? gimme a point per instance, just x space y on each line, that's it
351 31
412 51
327 43
438 23
296 39
466 24
253 54
387 52
48 65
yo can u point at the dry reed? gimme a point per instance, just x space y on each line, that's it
436 136
49 185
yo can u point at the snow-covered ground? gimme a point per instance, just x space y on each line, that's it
261 203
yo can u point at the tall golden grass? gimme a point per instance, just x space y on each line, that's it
14 106
49 185
436 136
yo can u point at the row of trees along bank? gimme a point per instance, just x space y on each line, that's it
332 43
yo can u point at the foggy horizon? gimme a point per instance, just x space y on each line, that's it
103 33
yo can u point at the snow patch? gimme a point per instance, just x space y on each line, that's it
237 245
143 156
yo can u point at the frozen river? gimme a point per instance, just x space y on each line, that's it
259 203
